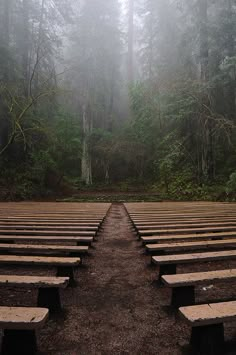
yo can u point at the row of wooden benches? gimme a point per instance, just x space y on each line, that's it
162 241
33 224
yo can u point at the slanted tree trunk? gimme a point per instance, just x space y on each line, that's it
86 164
131 43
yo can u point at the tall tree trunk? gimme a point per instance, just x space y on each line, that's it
109 125
204 43
25 47
207 165
131 43
39 47
5 71
6 37
151 37
86 164
230 90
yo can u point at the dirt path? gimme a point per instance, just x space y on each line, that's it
116 309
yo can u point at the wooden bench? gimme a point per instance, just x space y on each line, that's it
173 247
161 222
65 266
48 288
49 219
186 230
207 322
48 228
77 240
168 263
188 237
141 227
48 233
45 223
20 325
183 285
39 249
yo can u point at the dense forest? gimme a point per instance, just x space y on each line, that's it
132 94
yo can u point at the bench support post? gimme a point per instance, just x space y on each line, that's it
169 269
67 271
49 298
208 339
81 243
19 342
183 296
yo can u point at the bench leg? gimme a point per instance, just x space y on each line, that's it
169 269
49 298
67 271
183 296
208 339
16 342
83 243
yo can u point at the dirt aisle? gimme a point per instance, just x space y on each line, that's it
116 309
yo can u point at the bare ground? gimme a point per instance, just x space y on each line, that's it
117 307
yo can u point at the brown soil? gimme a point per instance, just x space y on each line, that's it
117 307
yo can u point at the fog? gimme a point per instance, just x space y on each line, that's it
117 92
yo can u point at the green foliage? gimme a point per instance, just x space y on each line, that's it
231 184
67 147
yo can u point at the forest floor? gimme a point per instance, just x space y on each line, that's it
115 197
117 308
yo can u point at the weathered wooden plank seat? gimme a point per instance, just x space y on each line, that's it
62 215
20 325
47 233
182 215
155 223
161 248
48 288
207 322
168 263
142 227
65 266
179 221
34 219
47 228
49 223
183 285
186 230
188 237
21 238
39 249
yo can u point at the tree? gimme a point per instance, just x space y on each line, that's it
96 63
131 42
